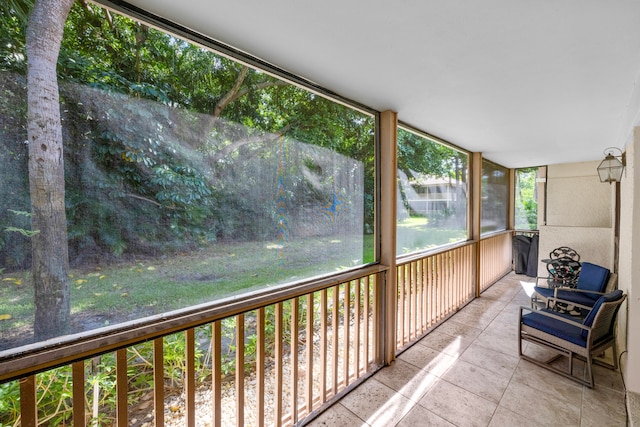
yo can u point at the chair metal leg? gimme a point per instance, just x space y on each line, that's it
571 363
568 373
589 371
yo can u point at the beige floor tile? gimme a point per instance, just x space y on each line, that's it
420 416
506 418
521 298
537 351
548 409
474 317
500 339
448 344
489 305
457 329
522 293
521 301
477 380
604 377
510 315
458 406
337 416
603 406
548 383
407 379
506 329
519 282
492 360
377 404
500 293
429 359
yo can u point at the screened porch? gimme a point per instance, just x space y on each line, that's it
225 242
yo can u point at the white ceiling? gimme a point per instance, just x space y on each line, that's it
525 82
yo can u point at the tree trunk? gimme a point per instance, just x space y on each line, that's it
46 169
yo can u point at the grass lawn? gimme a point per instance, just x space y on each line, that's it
104 295
414 234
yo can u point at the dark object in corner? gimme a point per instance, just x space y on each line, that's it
525 255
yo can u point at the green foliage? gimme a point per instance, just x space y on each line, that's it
8 230
54 387
526 203
420 154
24 232
54 394
169 147
9 403
13 19
14 194
138 180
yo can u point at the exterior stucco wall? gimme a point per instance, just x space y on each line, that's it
594 244
580 212
629 260
576 197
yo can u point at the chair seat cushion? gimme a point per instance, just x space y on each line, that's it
554 327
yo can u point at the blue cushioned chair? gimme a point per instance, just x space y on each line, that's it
573 338
592 283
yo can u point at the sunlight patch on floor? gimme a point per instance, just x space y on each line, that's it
528 287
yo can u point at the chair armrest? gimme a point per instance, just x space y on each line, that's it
554 316
564 301
582 291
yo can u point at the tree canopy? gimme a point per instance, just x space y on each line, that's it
125 163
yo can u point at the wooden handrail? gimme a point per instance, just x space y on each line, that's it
23 361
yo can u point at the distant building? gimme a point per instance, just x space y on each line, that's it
424 194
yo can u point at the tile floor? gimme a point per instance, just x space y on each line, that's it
467 373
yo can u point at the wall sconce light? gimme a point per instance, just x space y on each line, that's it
610 169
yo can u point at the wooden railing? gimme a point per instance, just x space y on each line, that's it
273 358
431 288
269 360
495 258
434 286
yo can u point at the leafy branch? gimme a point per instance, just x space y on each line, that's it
26 233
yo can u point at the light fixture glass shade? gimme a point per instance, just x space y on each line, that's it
610 170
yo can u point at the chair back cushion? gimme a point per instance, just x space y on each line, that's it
610 297
593 278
